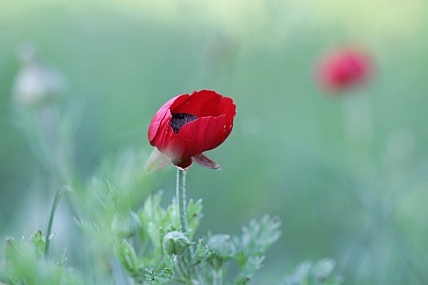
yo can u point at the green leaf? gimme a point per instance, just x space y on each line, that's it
194 215
310 273
127 257
250 247
39 243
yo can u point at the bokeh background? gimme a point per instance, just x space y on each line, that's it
345 172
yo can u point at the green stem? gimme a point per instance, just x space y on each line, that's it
181 199
218 277
55 201
184 261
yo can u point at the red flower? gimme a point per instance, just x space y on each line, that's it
187 125
343 69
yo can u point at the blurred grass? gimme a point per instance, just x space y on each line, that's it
288 154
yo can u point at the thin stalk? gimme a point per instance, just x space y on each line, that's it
181 199
55 201
183 261
218 277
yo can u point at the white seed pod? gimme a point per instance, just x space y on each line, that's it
37 82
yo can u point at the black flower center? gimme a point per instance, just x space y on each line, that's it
180 119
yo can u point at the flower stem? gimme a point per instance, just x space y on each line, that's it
184 266
55 201
181 199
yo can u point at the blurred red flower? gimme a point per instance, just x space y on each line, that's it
344 68
187 125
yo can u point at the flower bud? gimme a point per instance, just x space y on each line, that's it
344 68
175 243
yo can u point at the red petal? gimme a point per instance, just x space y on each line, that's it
160 115
173 145
161 135
201 104
206 133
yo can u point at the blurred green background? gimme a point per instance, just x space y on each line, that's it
346 174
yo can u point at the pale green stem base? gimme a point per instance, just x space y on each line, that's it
218 277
